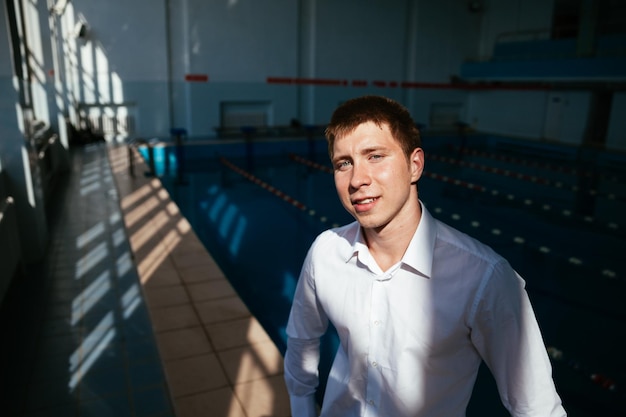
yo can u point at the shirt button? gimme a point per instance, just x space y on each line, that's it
371 402
374 364
377 322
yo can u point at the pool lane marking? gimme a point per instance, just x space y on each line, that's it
573 260
277 192
600 379
533 164
471 186
520 176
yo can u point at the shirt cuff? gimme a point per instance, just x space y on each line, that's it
303 406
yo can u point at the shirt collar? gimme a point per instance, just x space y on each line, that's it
419 253
421 249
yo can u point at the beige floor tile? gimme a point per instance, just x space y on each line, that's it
251 362
160 277
166 296
138 193
191 245
141 213
154 261
215 311
171 318
265 397
194 375
218 403
143 238
236 333
211 290
154 249
201 273
162 222
177 344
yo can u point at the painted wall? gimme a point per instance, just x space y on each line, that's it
514 113
505 17
177 63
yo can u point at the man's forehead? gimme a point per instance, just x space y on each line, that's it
362 125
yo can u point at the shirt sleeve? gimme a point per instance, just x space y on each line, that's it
507 336
307 323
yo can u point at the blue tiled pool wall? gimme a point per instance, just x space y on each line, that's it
260 242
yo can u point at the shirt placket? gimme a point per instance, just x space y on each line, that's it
377 321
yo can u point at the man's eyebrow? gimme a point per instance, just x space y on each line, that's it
371 149
337 158
364 151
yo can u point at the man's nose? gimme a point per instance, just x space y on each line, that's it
360 175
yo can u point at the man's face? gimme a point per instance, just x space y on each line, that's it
374 180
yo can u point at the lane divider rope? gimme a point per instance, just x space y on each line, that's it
521 176
529 202
273 190
536 164
598 378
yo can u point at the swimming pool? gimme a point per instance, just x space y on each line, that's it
258 205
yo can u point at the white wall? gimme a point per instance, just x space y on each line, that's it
515 113
513 16
122 60
359 39
239 44
138 54
447 34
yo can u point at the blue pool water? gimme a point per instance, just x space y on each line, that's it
567 243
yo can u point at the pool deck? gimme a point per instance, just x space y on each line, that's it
217 358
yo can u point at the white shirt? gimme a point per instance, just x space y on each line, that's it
412 337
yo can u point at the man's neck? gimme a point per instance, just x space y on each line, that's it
388 244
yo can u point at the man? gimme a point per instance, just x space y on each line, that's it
417 304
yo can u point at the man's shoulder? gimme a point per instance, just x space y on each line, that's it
452 237
337 237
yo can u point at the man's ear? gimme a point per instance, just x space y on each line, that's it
416 164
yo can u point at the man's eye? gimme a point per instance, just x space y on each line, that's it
343 165
376 157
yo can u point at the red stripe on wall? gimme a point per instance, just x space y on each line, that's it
306 81
196 78
407 84
320 81
279 80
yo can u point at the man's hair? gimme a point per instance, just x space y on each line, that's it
380 110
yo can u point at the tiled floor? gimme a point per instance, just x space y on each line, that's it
129 315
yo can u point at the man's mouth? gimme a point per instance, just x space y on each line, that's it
364 201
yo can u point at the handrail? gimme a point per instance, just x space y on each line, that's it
136 142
